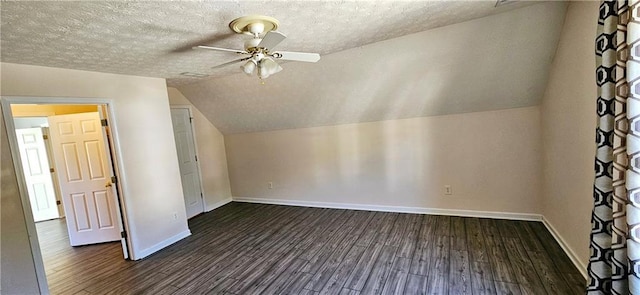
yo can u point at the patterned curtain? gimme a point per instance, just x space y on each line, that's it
614 265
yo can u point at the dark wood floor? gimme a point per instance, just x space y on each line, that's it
266 249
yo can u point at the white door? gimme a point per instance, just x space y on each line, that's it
187 159
85 182
37 174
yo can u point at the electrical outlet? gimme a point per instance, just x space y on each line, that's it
448 190
270 185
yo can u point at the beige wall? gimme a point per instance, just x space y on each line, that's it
491 160
568 128
148 158
211 155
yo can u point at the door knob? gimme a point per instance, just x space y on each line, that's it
108 184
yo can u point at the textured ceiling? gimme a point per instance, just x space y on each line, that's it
153 38
380 59
496 62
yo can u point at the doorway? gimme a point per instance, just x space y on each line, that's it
79 152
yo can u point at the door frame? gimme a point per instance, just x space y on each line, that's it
6 102
195 147
54 175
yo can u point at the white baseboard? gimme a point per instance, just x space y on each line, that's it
572 255
217 204
398 209
159 246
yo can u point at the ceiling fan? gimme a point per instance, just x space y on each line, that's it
259 54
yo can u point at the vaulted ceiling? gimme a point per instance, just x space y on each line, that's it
380 59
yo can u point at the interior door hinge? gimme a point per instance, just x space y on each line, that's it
123 234
104 123
45 137
114 179
52 170
58 202
190 119
196 158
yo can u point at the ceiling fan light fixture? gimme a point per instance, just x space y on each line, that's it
263 73
249 67
277 69
270 66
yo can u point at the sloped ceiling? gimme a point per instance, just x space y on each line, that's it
378 62
496 62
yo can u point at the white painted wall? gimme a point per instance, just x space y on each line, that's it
148 158
491 160
568 128
211 155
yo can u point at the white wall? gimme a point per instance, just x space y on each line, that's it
211 155
148 158
491 160
568 128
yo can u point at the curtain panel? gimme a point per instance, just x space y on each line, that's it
614 264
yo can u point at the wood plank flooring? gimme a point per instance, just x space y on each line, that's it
244 248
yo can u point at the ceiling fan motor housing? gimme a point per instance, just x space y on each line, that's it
251 44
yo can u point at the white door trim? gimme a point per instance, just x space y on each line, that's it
195 146
54 175
108 134
6 102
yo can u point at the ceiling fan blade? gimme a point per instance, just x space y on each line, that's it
230 63
220 49
297 56
271 40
